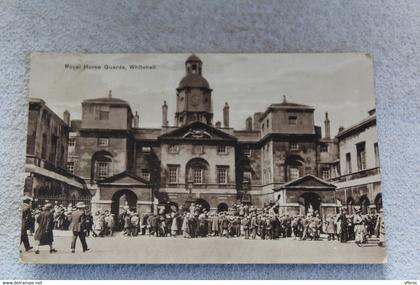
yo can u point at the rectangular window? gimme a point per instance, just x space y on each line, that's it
198 175
294 173
146 149
145 174
292 120
173 174
198 149
222 174
103 141
376 150
173 148
221 149
361 156
325 173
103 115
348 163
294 146
103 169
268 123
72 142
70 167
324 148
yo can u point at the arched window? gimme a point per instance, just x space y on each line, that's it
102 166
294 167
197 171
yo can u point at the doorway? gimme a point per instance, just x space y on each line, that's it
204 204
309 203
123 199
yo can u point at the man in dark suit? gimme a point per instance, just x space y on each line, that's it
26 221
78 227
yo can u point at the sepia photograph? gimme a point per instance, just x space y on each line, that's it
202 158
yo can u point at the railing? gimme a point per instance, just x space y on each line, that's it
357 175
200 186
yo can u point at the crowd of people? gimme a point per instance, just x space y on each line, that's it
241 220
195 221
41 221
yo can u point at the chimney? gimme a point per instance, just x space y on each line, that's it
218 124
372 112
110 94
327 127
226 115
66 117
136 120
164 114
248 123
257 117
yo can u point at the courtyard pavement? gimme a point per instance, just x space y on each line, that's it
145 249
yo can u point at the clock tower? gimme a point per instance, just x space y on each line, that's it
193 95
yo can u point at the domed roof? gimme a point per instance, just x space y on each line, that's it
193 57
193 80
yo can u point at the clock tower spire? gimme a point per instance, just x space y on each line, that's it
193 95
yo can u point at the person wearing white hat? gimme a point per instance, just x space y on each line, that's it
78 227
359 227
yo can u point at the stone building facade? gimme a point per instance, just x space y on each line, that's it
280 156
360 182
46 158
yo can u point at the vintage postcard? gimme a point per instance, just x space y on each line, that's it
202 158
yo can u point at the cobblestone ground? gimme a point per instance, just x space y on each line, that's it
145 249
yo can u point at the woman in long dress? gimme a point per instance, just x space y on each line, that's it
184 226
44 233
359 227
330 227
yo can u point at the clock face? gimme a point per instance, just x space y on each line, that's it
194 99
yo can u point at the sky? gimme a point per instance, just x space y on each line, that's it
340 84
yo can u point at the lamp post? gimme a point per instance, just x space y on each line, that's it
246 185
189 187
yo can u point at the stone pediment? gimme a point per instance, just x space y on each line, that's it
308 181
124 178
197 131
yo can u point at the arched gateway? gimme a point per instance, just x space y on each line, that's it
307 194
203 203
123 189
123 198
309 202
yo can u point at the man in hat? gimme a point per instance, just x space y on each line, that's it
359 227
134 222
26 222
78 226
